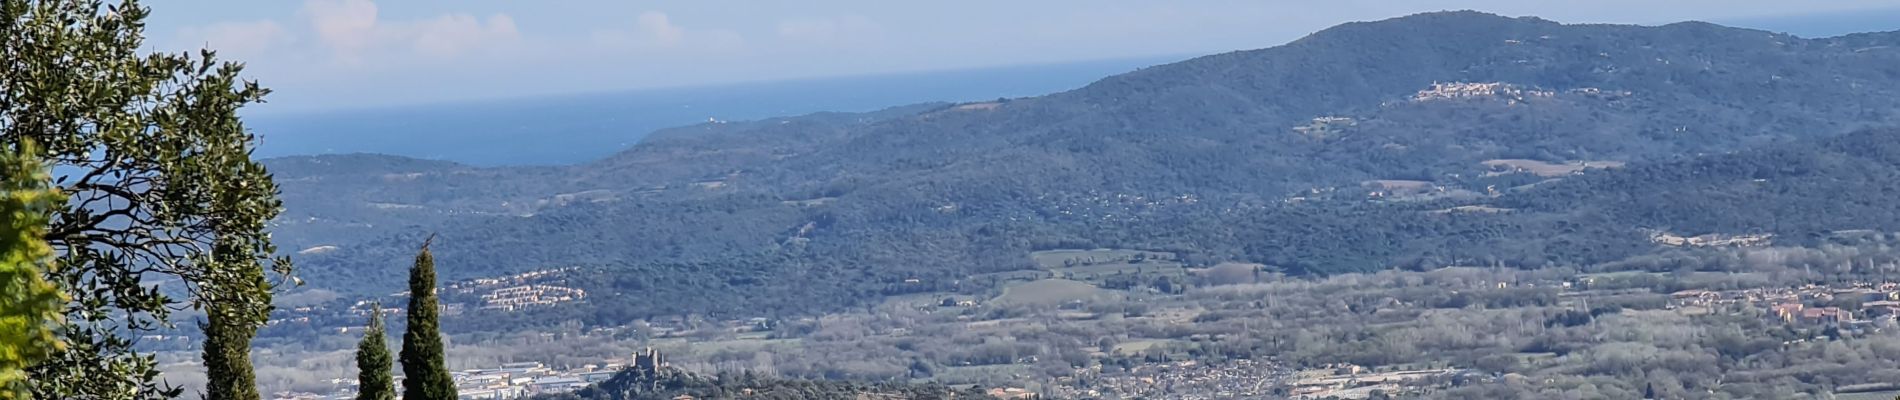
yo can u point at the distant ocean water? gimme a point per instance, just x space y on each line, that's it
579 128
1826 24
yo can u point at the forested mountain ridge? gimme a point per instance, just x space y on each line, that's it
1332 153
1690 87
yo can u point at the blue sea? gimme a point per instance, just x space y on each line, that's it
579 128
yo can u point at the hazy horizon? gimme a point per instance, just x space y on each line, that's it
351 54
579 127
532 129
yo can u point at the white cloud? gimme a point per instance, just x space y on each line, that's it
237 39
823 30
657 27
449 35
347 27
656 30
352 31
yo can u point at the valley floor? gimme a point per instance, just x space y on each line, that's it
1768 322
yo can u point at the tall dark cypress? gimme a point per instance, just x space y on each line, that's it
424 375
227 357
230 325
373 363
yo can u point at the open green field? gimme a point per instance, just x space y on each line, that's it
1881 395
1092 273
981 373
1098 264
1133 347
1622 274
1052 259
1099 271
1534 358
1049 292
1020 275
1092 266
920 300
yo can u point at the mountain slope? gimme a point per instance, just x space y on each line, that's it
1342 151
1697 85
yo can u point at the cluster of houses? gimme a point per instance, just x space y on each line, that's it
516 297
512 292
1325 127
522 379
1849 305
1191 380
1476 90
1013 393
1348 381
1711 240
1250 379
469 286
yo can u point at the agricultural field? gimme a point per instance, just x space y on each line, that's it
1053 259
1101 271
1881 395
1134 347
1050 292
1096 266
1545 169
1399 185
974 374
1472 210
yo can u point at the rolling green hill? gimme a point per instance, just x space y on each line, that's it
1361 147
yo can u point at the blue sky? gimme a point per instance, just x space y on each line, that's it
323 54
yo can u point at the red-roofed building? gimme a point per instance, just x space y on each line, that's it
1788 311
1826 315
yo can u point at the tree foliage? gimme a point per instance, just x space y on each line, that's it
372 361
425 377
29 305
160 186
227 358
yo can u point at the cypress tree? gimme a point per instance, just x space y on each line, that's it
227 358
425 377
373 363
229 326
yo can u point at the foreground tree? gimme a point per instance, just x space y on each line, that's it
228 330
29 305
372 361
424 375
227 353
159 185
